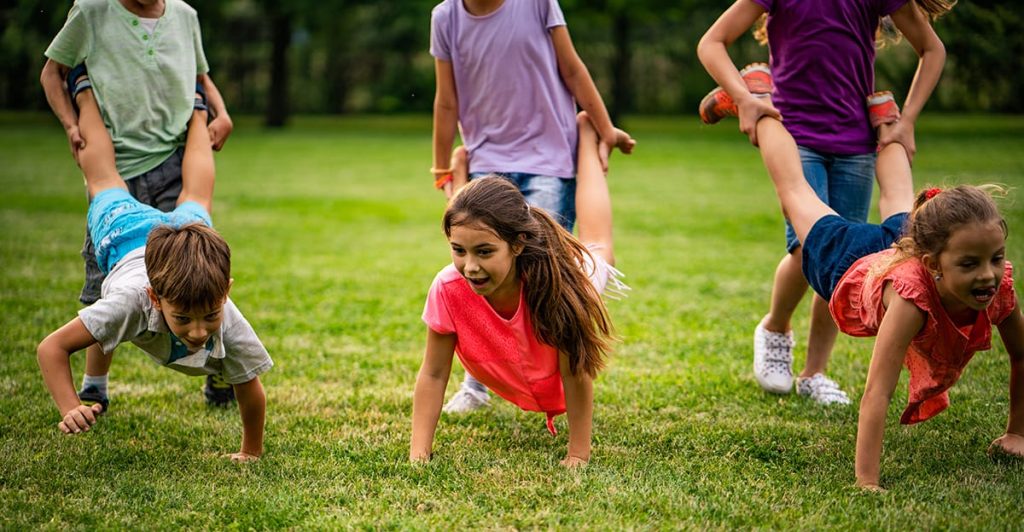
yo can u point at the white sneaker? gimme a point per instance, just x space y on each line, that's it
466 400
822 389
773 360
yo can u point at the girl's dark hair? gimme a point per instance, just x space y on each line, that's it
887 33
937 214
566 310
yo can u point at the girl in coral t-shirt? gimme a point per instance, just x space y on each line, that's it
931 300
521 303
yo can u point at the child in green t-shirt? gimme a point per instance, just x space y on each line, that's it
145 59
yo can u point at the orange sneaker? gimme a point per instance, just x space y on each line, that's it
718 104
882 109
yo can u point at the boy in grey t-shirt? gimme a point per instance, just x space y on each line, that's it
166 291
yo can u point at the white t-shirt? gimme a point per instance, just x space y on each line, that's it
125 314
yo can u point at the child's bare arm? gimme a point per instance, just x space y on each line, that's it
53 354
429 394
914 26
446 117
713 54
577 78
901 323
221 126
52 80
579 408
252 405
1012 332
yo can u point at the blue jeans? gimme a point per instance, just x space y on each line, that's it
844 182
556 195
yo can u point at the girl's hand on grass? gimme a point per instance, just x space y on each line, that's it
420 458
1009 444
242 457
80 418
872 487
573 462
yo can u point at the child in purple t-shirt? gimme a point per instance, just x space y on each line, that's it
822 61
509 78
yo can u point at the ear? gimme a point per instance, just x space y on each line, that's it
153 297
931 262
519 244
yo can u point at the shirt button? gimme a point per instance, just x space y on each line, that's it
135 22
145 36
150 51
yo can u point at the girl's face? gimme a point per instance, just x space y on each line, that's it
486 261
971 267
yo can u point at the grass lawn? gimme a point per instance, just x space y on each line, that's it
335 235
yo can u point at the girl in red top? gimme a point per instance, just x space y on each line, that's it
520 304
930 300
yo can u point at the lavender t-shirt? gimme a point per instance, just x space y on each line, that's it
516 113
823 64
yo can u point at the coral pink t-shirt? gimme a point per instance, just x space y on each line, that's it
505 355
940 351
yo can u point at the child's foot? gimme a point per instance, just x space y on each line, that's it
882 109
822 390
91 395
218 392
466 400
718 104
773 360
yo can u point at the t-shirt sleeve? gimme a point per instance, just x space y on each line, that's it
202 67
440 33
552 14
436 312
119 317
71 45
1006 302
244 354
888 7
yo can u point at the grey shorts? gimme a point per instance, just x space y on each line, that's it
159 188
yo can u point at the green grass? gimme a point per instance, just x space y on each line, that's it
335 234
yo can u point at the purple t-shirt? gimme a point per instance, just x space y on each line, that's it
823 63
515 112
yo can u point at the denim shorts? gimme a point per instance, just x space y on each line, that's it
160 188
556 195
834 244
119 223
843 182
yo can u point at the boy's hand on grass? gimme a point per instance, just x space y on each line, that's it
80 418
220 129
242 457
573 462
1007 444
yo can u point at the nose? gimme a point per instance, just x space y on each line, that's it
197 334
986 272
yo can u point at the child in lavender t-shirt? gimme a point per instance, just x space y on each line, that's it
822 62
508 74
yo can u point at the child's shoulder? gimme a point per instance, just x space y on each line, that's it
447 275
93 7
183 7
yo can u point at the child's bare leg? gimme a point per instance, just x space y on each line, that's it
800 204
97 157
197 168
593 204
895 181
460 168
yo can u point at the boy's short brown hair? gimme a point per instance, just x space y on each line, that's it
189 266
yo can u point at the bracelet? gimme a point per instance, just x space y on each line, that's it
441 171
442 180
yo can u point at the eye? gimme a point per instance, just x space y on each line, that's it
458 251
212 317
485 252
182 320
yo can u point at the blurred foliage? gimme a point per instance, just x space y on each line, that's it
344 56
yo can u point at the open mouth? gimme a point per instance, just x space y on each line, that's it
478 282
984 295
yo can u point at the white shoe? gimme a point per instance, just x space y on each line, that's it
773 360
822 389
466 400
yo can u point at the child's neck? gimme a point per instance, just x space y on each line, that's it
480 8
505 301
961 315
154 10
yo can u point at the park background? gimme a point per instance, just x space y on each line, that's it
323 193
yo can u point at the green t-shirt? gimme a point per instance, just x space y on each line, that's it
144 83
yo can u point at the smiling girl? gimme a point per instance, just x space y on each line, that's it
521 303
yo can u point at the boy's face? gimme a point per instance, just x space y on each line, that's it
192 326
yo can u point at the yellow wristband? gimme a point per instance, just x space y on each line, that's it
440 171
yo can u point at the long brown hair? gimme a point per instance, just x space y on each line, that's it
937 214
566 310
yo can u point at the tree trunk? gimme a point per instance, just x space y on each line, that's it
280 38
622 93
